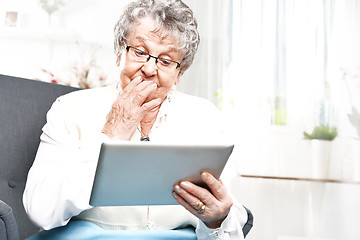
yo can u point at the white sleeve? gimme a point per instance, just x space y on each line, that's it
230 229
59 183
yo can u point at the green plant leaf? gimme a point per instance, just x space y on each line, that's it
322 132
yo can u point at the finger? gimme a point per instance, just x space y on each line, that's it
185 204
141 92
133 83
211 213
217 188
147 87
143 85
150 105
192 193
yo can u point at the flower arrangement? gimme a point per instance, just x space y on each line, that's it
82 73
88 75
79 75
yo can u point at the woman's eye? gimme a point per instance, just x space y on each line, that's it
165 62
140 53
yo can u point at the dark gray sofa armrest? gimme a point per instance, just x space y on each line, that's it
248 225
8 226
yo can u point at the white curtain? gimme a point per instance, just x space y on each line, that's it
277 67
285 70
290 49
205 76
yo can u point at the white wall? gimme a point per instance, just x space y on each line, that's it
299 210
78 31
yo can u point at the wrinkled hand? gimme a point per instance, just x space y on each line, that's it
217 203
129 108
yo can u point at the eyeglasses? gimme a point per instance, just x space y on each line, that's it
163 64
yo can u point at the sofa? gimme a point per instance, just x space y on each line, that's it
23 107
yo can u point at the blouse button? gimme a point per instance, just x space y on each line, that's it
12 183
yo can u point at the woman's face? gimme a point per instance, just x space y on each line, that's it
144 38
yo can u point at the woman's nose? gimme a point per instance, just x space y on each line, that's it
149 68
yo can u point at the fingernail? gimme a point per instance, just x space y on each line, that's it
205 175
177 189
174 195
184 184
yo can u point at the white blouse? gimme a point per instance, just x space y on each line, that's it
60 181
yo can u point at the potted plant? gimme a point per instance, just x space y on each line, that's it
322 132
321 138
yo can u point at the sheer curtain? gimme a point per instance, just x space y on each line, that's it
285 76
291 49
205 77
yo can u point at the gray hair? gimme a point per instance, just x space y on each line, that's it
172 17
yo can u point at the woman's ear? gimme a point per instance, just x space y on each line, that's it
177 80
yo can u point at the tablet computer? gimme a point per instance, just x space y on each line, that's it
144 173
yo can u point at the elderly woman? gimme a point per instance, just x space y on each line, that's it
155 43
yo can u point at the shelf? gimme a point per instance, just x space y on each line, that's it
301 179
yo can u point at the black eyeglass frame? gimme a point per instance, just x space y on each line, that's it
151 56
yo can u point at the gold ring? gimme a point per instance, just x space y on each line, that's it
200 207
